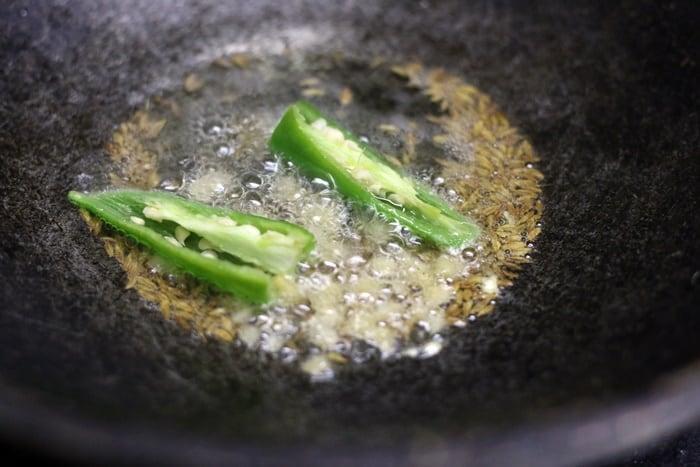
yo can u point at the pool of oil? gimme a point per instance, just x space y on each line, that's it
370 288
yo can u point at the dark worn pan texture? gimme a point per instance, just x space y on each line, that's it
591 352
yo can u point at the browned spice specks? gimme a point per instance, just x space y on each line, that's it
242 60
136 165
494 176
193 83
345 96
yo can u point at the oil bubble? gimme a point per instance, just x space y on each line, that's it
212 128
253 198
469 254
169 184
252 181
223 151
327 267
319 184
288 354
186 163
391 249
271 166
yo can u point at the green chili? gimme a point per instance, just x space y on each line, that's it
321 148
235 251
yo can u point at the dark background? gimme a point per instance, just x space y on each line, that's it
681 450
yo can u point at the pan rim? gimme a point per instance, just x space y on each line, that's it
562 436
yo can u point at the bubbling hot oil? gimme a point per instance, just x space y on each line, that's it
370 289
367 280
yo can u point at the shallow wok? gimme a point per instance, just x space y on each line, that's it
593 351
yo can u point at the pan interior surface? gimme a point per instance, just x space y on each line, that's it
605 94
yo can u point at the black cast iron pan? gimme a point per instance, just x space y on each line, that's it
593 351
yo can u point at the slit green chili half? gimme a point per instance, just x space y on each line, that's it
236 252
321 148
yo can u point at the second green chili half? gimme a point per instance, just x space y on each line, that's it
322 148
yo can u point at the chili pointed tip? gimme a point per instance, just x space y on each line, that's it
75 195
